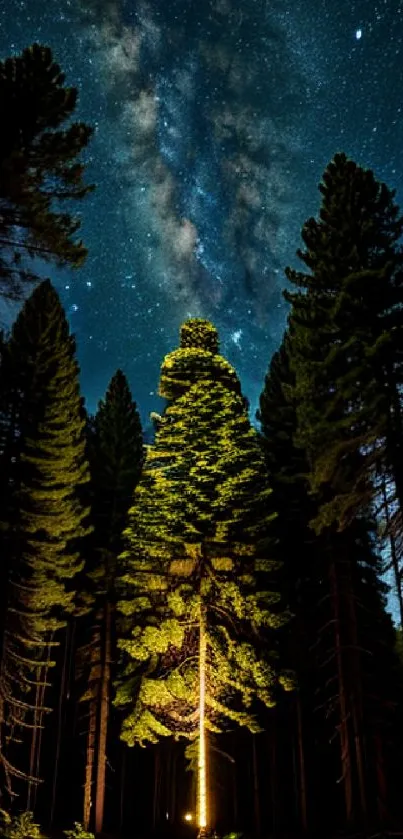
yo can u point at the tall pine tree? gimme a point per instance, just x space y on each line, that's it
116 454
348 233
46 465
198 605
352 298
298 549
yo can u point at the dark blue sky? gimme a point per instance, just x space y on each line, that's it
213 127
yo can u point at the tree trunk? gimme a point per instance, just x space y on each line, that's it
273 771
382 785
345 755
62 692
357 713
302 773
89 766
103 719
122 788
157 785
256 798
172 784
34 741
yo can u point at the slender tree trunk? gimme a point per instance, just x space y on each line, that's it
234 796
40 735
36 744
103 718
33 756
382 785
343 722
357 712
89 766
157 786
256 797
172 784
122 788
302 772
360 763
62 693
273 772
202 771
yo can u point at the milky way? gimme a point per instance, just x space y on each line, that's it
214 121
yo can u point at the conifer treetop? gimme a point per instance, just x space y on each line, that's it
201 333
40 168
196 360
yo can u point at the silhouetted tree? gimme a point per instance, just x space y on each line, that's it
116 453
39 168
349 403
298 550
325 419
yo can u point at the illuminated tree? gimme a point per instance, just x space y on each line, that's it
39 168
116 454
46 466
198 606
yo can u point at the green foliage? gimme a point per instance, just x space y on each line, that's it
198 543
21 826
346 327
39 167
5 820
78 832
336 402
196 359
116 453
44 469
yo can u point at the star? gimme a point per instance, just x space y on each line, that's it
236 336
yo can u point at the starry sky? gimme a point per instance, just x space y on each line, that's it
214 121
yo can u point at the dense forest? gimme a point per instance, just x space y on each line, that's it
213 599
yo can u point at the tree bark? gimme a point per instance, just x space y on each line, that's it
302 772
157 786
256 797
62 691
89 766
345 755
273 771
357 711
103 719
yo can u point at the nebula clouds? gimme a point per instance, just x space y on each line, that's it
204 106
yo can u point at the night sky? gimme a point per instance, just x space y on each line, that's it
214 122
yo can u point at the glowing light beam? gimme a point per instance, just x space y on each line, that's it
202 791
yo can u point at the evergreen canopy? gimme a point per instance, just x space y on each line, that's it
347 333
45 459
197 560
39 168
